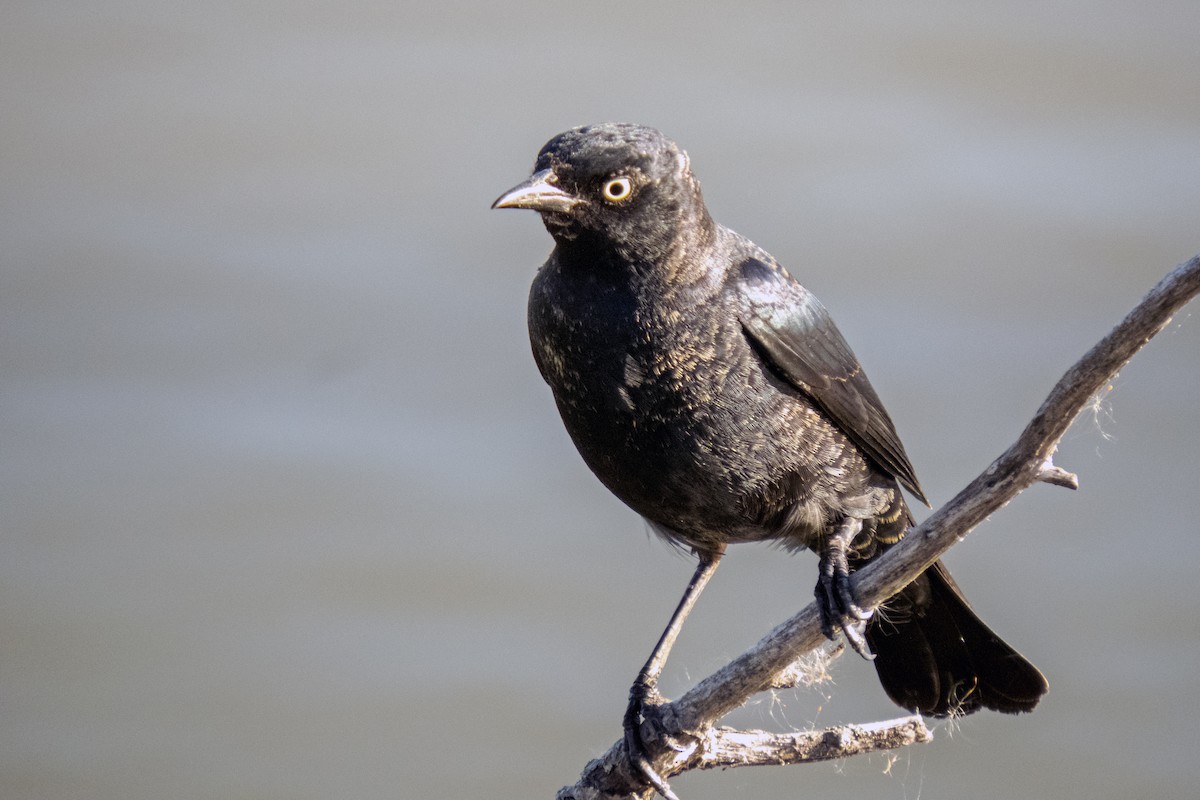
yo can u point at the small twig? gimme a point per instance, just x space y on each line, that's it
688 722
724 747
1048 473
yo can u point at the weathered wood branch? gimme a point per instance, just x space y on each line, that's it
723 748
686 725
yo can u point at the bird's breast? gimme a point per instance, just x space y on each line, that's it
660 398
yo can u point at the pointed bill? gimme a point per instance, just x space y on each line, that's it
538 193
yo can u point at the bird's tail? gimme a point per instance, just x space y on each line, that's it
935 656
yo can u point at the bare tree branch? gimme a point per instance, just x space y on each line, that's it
724 747
685 727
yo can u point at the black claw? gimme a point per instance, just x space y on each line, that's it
855 635
825 606
847 602
639 760
839 607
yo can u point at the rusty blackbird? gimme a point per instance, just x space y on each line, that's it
713 394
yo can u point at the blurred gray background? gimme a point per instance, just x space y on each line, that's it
288 513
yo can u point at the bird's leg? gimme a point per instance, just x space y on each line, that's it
645 687
835 597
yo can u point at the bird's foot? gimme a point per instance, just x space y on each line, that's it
642 706
838 606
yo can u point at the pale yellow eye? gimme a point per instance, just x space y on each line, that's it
618 189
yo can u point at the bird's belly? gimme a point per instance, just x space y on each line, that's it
684 424
705 463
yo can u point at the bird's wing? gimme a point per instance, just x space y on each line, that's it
795 335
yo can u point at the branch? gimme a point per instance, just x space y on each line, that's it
608 777
686 725
722 748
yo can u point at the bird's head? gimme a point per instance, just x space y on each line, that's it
623 186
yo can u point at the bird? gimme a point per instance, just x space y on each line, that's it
713 394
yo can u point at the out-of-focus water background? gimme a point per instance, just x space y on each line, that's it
288 513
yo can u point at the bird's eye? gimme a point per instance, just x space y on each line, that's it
618 189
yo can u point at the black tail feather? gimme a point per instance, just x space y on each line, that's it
935 656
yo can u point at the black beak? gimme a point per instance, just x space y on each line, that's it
538 193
